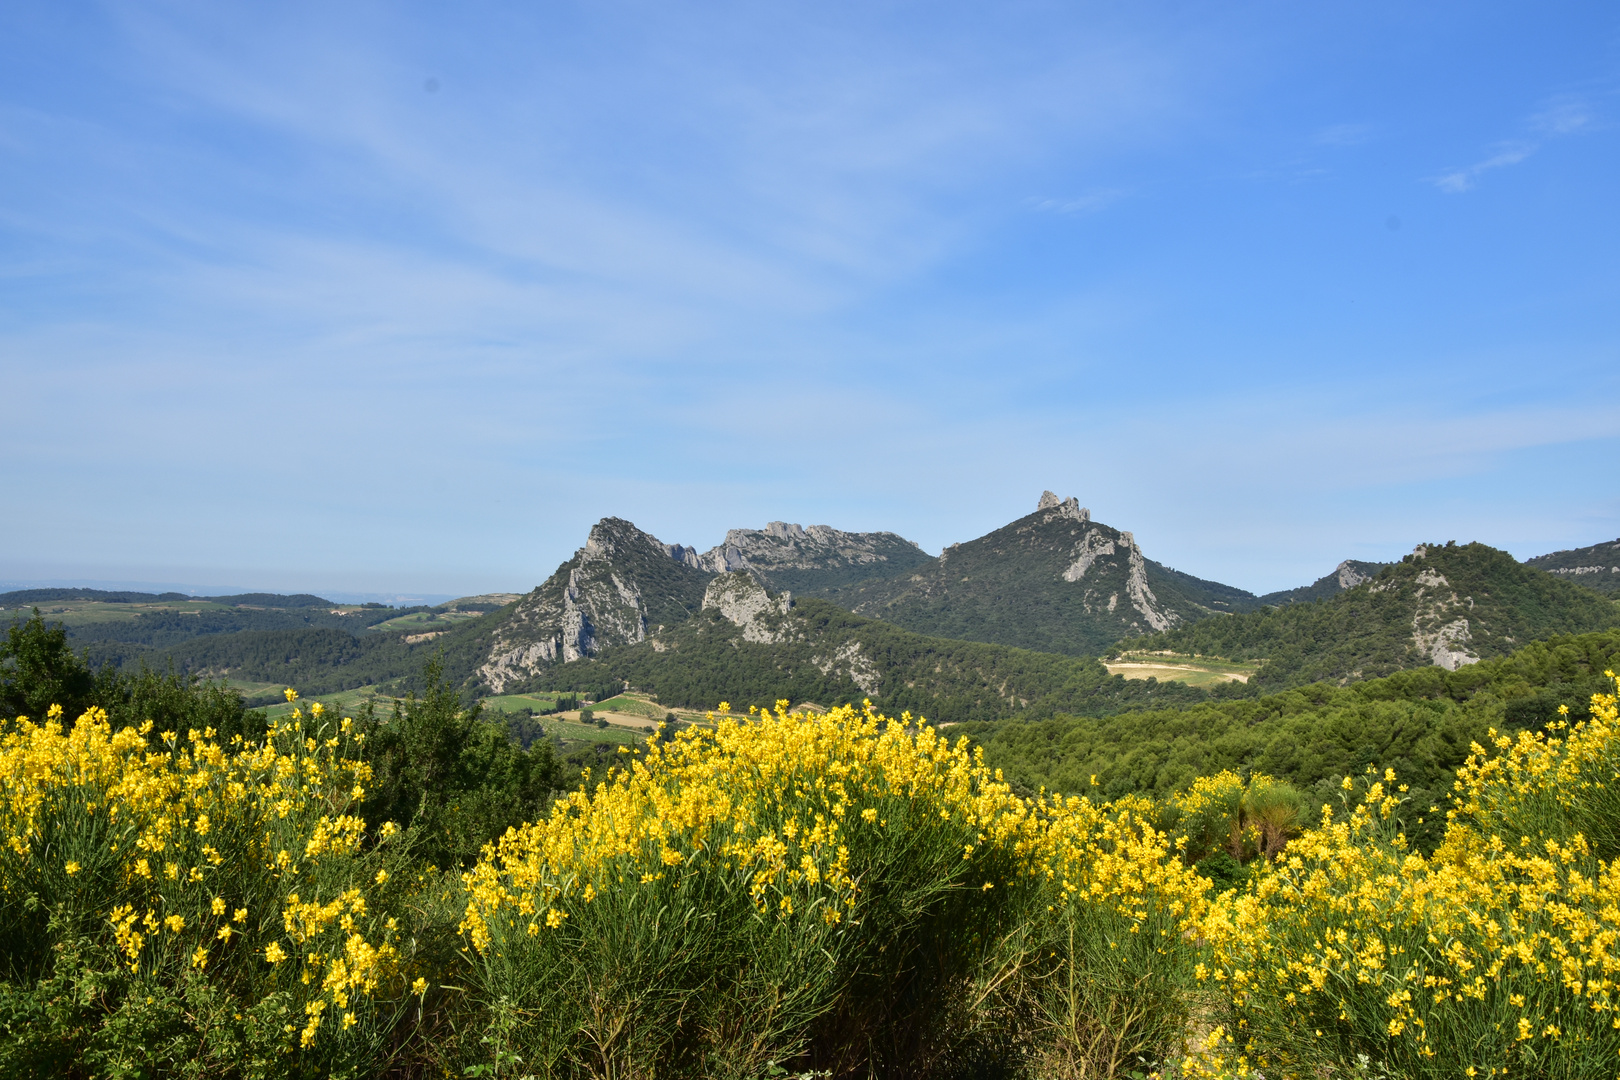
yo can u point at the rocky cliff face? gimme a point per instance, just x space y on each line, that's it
1054 580
811 561
744 602
621 586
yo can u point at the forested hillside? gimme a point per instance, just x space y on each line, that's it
1054 581
1596 567
1422 723
753 653
1446 605
1347 575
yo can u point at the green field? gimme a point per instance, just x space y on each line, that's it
86 612
426 620
514 702
343 701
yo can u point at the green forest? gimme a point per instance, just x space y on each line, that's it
1367 631
1421 722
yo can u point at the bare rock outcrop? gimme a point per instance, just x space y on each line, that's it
1438 630
616 590
744 601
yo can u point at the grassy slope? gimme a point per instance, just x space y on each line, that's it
1366 631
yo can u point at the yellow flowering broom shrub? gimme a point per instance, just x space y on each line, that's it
209 904
1497 956
842 891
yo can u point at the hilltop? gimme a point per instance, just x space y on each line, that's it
1347 575
1445 605
1597 567
1054 581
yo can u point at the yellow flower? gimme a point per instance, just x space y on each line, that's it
382 876
199 959
291 694
419 987
274 953
175 923
218 906
71 868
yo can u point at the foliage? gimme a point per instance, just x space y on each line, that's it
454 780
175 904
839 892
1368 631
1496 956
38 669
1420 722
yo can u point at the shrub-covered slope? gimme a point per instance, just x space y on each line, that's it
1347 575
1596 567
1446 606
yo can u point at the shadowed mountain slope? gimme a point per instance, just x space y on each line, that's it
1597 567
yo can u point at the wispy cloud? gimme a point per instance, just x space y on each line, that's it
1460 180
1089 203
1562 116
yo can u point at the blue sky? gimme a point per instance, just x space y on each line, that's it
407 295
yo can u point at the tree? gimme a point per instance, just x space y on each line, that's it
452 779
38 669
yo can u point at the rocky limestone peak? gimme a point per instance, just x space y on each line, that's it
1349 577
743 601
620 587
1069 508
789 555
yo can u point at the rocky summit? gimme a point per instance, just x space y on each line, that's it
1054 580
621 586
810 561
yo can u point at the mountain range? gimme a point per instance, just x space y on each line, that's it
1010 623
